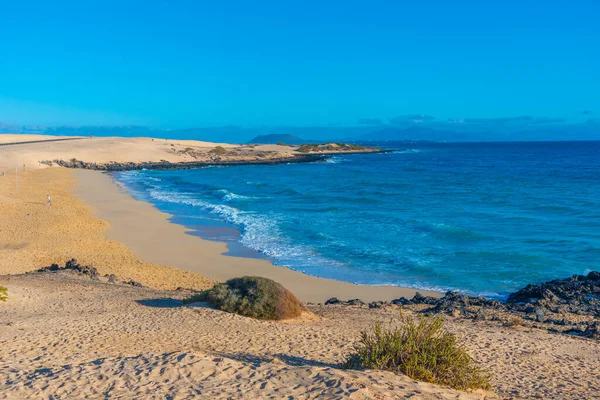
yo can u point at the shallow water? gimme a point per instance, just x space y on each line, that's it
483 218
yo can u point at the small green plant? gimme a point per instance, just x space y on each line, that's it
3 293
422 349
280 144
251 296
218 150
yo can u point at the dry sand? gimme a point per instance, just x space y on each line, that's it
33 235
76 338
73 337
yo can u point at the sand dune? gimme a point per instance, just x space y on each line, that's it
108 149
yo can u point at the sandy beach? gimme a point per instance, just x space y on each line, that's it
64 335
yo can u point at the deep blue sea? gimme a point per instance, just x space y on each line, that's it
483 218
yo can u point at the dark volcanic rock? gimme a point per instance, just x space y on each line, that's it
593 276
73 265
578 294
355 302
134 283
377 304
454 303
401 301
420 299
450 302
592 331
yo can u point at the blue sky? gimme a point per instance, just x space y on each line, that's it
174 64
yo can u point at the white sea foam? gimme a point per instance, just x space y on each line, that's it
230 196
259 232
406 151
334 160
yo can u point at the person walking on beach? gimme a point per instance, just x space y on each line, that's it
48 200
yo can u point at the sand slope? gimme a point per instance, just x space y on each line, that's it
72 330
33 235
71 337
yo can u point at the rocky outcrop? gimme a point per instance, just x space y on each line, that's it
88 271
72 265
578 294
569 305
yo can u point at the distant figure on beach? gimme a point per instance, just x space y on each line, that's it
48 200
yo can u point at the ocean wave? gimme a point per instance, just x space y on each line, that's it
259 232
406 151
334 160
228 196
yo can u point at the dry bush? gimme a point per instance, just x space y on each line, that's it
514 322
252 296
3 293
422 349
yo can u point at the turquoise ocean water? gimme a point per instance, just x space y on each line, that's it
484 218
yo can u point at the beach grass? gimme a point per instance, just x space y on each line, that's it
3 293
422 349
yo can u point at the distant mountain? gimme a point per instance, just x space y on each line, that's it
277 138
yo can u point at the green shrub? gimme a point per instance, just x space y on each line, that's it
252 296
306 148
218 150
422 349
280 144
3 293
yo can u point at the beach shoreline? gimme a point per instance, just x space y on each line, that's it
150 234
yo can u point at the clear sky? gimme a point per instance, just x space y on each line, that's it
205 63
